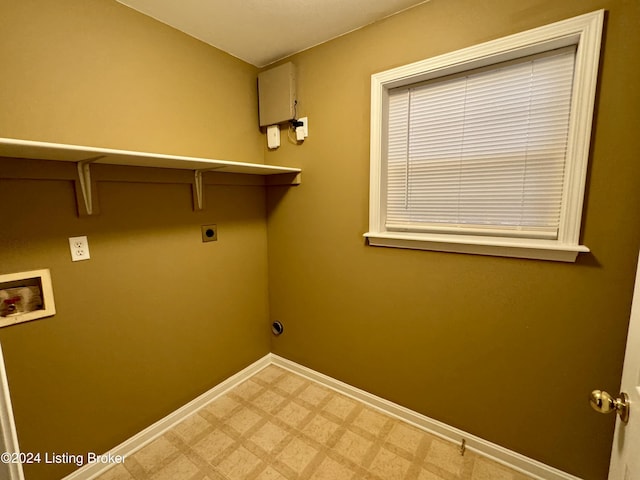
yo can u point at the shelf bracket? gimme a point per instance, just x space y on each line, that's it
198 187
85 200
198 191
84 175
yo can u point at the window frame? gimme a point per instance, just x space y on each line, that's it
585 32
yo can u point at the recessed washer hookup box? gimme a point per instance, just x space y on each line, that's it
25 296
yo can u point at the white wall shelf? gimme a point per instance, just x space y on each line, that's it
84 157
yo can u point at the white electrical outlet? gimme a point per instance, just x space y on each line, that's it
273 136
79 248
305 126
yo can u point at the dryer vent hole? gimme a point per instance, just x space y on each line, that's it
277 328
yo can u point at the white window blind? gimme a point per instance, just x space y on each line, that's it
482 152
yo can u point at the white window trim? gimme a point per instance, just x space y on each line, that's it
585 32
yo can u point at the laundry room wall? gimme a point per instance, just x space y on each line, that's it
505 349
156 316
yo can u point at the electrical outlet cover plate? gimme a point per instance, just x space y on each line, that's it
209 233
79 247
305 126
273 136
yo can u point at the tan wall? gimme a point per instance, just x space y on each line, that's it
98 73
156 317
505 349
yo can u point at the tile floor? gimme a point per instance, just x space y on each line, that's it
280 426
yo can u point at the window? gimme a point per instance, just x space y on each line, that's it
485 150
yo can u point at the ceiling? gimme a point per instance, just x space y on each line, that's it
261 32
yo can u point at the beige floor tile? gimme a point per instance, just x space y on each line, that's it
270 473
353 446
320 429
238 464
446 456
486 470
371 421
212 445
290 383
405 437
297 455
279 438
247 389
340 406
389 466
243 420
151 456
222 407
292 414
179 469
268 400
268 437
426 475
191 427
331 470
313 394
270 374
116 473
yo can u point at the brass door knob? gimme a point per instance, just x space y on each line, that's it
604 403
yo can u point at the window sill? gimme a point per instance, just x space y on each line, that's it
500 247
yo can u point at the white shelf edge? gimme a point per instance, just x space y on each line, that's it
84 156
11 147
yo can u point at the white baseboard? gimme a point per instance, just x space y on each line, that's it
149 434
499 454
509 458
